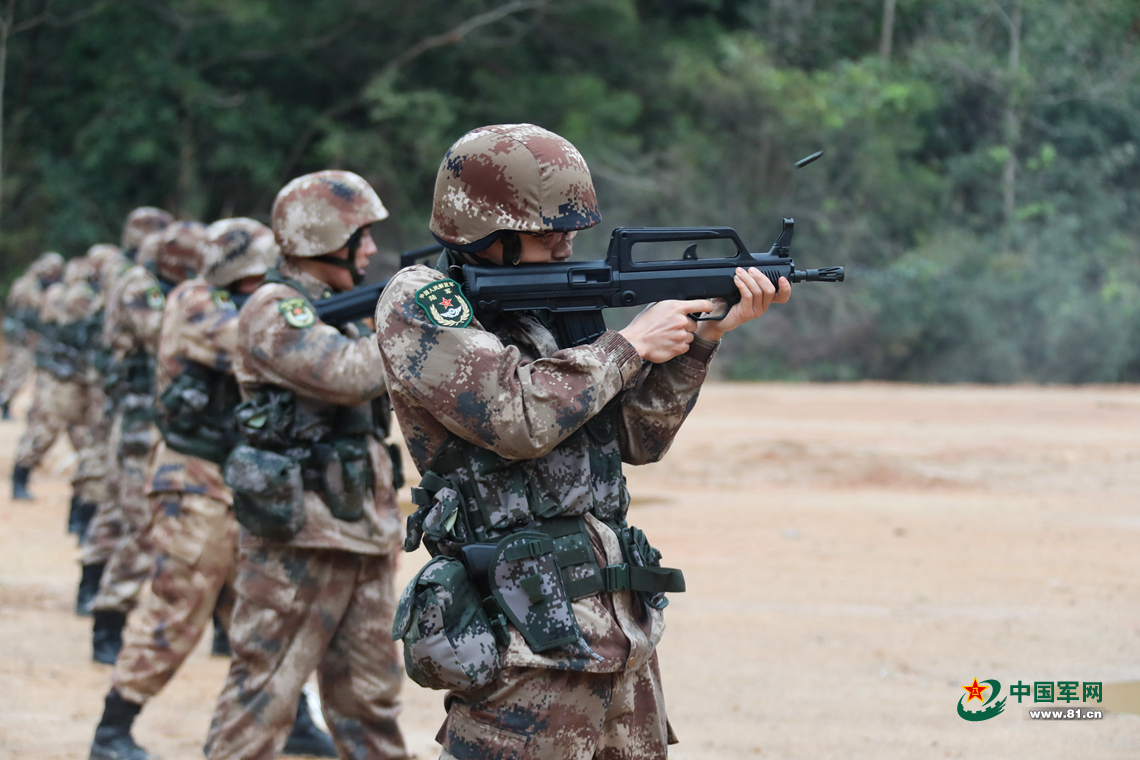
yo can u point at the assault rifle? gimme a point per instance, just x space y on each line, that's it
575 293
360 302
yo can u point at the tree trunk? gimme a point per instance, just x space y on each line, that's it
886 42
1012 127
5 30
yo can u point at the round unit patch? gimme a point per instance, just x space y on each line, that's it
444 304
297 312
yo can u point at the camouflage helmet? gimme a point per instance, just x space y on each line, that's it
100 253
48 267
316 214
510 177
148 250
140 223
237 248
179 253
80 269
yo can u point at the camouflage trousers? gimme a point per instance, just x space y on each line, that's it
195 540
18 364
303 609
118 534
540 714
58 406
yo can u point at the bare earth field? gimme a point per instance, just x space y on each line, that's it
855 554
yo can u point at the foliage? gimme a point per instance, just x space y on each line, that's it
688 111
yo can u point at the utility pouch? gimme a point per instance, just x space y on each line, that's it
138 414
346 472
449 639
266 419
526 581
642 572
269 500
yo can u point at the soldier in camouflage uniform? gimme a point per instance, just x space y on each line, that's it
542 608
193 532
131 326
108 525
23 322
60 401
313 491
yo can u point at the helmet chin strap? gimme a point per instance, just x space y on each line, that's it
348 262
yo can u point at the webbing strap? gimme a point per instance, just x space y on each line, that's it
651 580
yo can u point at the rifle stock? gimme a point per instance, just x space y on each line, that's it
359 303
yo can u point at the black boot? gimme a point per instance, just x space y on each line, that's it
113 739
86 514
6 415
107 636
306 738
88 588
221 646
20 484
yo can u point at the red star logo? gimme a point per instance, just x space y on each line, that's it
446 302
975 691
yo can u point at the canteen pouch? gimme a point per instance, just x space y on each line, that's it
346 472
448 638
138 414
268 495
526 581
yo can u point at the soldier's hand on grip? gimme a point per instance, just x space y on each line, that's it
664 330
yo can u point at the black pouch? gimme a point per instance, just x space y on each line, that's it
269 499
138 414
266 420
346 471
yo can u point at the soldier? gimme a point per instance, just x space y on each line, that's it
522 444
131 327
193 532
24 302
313 492
21 324
59 403
86 306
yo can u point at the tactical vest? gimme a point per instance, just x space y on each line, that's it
320 445
195 413
518 528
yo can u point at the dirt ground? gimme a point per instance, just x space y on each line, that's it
855 554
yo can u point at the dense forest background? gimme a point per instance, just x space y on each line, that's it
980 182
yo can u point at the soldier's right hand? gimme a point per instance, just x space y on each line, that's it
664 330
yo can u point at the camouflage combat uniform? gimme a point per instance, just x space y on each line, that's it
21 308
132 319
193 533
325 598
510 392
60 401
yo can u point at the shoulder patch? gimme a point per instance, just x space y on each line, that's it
223 300
444 303
297 313
154 298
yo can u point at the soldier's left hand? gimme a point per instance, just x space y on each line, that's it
757 293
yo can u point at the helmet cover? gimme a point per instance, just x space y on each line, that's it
178 255
237 248
48 267
141 222
510 177
317 213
